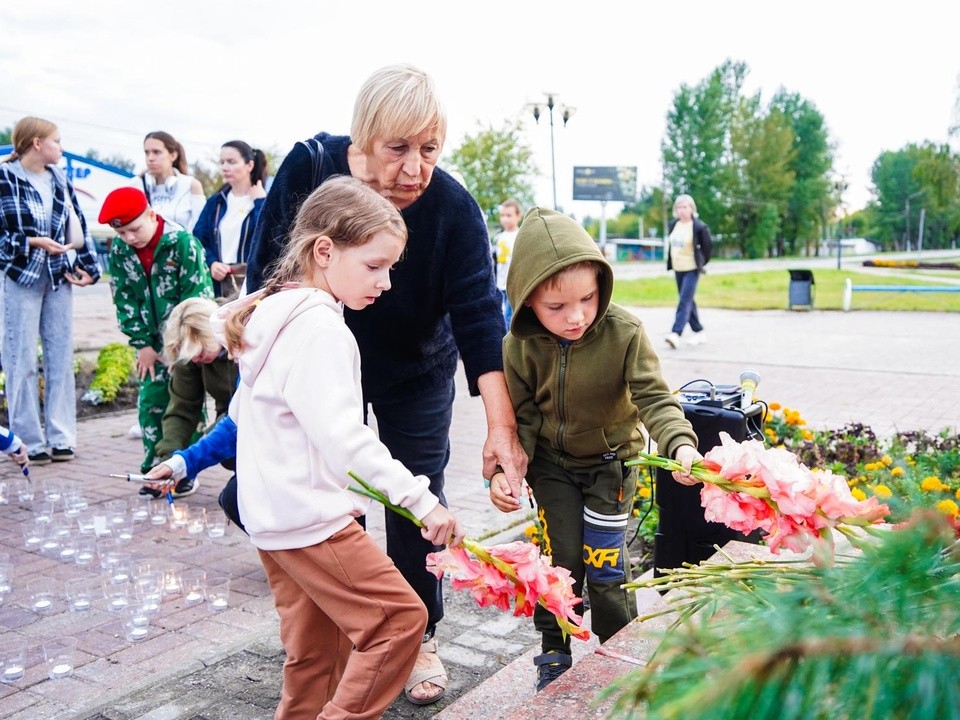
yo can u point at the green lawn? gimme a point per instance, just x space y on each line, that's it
768 290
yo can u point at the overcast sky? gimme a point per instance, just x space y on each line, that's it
883 74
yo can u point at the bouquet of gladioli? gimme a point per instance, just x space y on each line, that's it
500 574
747 486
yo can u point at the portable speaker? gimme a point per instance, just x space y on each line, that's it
683 535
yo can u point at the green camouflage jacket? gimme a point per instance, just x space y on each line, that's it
143 303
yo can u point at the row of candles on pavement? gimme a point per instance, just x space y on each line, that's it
82 534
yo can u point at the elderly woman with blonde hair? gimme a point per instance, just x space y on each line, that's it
199 367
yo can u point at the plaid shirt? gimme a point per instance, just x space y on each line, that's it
22 217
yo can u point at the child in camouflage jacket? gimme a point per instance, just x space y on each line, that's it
154 266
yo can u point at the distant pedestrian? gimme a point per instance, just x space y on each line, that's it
172 193
226 225
689 246
41 224
510 214
586 384
350 624
153 267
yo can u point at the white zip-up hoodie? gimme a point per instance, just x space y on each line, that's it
299 415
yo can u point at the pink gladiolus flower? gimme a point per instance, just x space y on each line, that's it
749 487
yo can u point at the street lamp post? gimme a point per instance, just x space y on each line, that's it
566 112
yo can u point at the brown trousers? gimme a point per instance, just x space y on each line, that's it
350 624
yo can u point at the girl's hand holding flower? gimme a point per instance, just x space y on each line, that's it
686 455
441 528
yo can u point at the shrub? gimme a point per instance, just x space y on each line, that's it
115 365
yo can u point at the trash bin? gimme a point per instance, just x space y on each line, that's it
801 289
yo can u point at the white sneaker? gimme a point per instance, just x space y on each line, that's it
673 340
135 431
697 338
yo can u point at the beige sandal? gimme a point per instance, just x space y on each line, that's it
427 668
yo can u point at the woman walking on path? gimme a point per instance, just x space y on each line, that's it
40 224
688 250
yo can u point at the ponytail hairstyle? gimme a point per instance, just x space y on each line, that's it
187 332
344 209
259 171
26 131
172 146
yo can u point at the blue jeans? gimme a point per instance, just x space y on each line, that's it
29 314
507 309
417 433
687 306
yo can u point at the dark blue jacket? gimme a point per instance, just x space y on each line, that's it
207 229
444 302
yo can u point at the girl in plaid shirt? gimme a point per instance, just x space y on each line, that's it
40 223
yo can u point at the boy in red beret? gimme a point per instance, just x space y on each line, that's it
154 267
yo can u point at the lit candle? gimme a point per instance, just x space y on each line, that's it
42 604
194 597
61 670
13 672
219 604
81 604
215 531
138 632
118 602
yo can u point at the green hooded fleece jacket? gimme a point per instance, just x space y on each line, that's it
585 402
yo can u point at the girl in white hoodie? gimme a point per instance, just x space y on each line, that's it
350 624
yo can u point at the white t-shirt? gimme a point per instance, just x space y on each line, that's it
681 247
238 207
505 241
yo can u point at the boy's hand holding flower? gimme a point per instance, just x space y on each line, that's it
20 457
686 455
502 494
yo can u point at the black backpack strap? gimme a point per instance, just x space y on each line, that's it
315 148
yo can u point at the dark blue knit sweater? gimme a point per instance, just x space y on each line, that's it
443 298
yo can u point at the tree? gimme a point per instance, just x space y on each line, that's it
495 165
6 136
812 160
916 177
697 139
120 161
761 145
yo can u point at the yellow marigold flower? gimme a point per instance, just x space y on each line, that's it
644 492
852 481
530 530
958 494
932 483
948 507
887 460
858 494
898 472
882 492
908 459
870 467
770 433
807 435
775 406
636 512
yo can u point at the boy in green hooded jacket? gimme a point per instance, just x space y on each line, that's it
154 265
585 382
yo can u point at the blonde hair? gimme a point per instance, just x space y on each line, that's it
26 131
344 209
688 199
187 332
396 101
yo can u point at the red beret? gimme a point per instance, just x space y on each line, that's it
123 206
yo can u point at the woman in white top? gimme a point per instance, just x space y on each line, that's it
226 225
171 192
